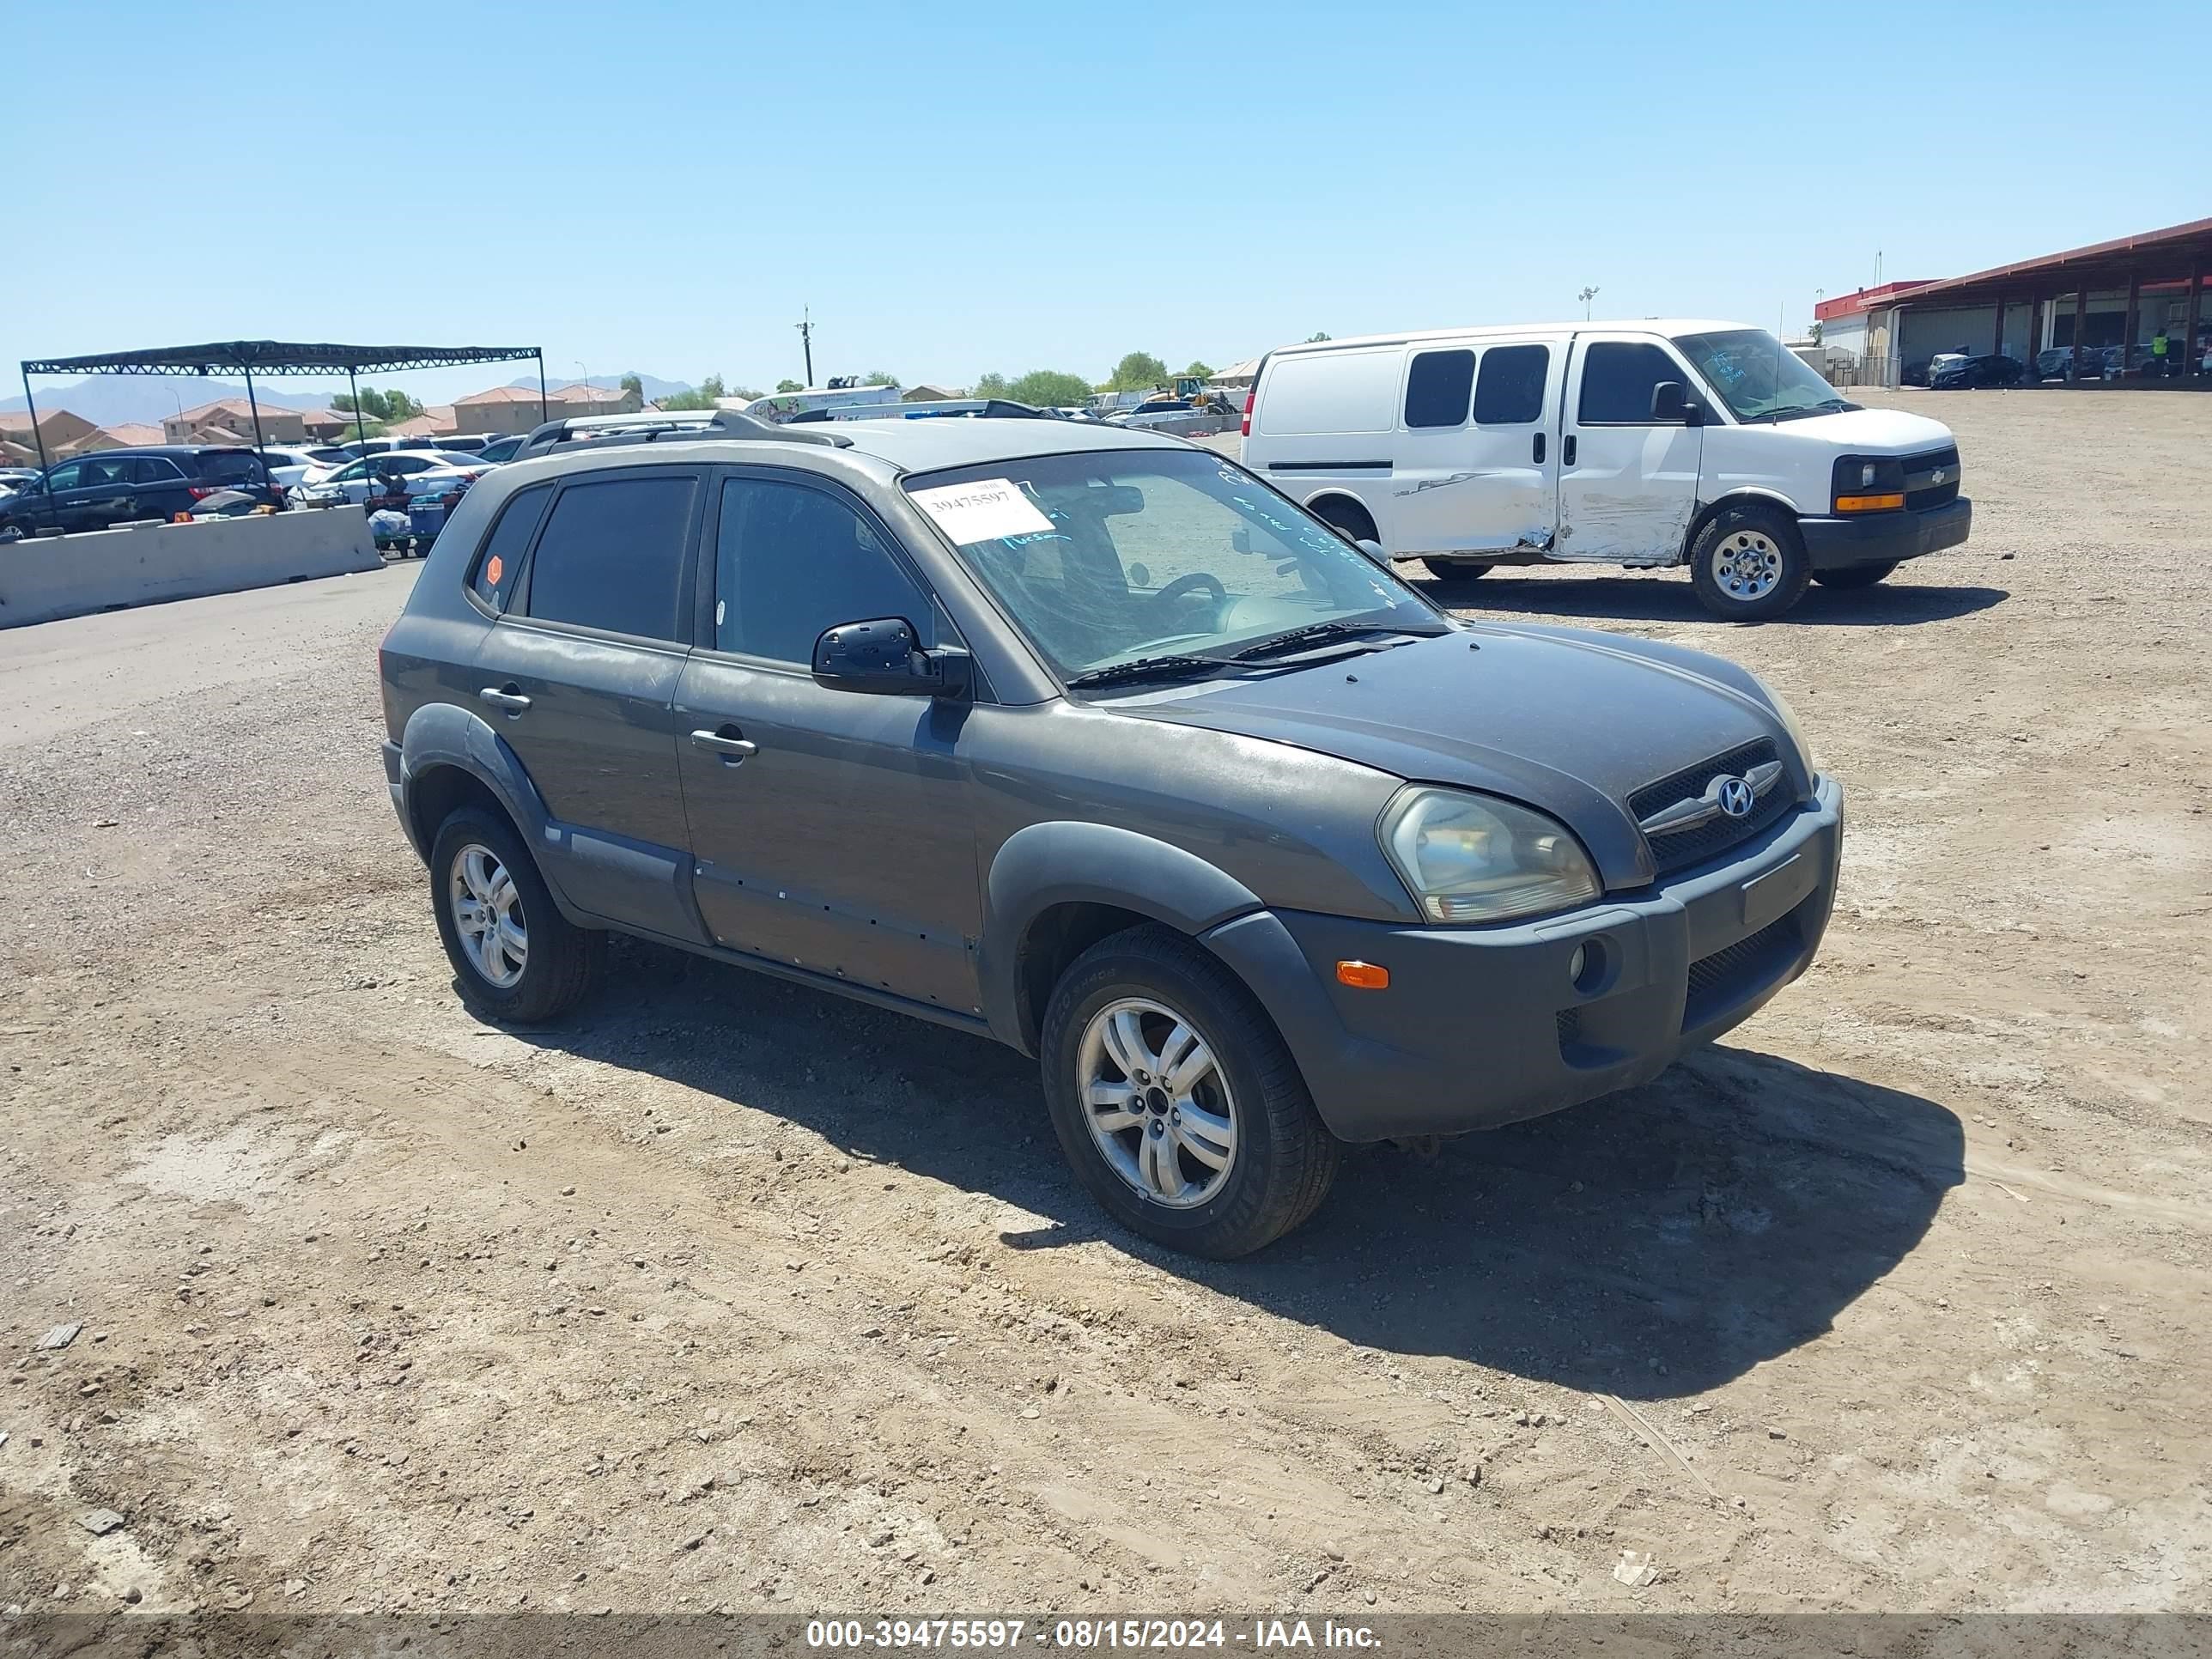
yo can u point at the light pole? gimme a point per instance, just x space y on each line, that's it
1586 296
584 375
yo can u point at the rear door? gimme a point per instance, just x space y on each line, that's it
1477 467
1628 484
158 487
578 675
840 837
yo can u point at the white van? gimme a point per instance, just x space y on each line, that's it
1643 444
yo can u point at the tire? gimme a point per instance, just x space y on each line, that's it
1748 565
1348 517
559 959
1280 1159
1455 570
1854 575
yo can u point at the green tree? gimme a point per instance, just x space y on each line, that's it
993 385
1136 372
703 396
631 383
789 385
1315 339
880 377
1200 369
750 393
1047 388
399 406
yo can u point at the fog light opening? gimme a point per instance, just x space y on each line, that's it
1590 967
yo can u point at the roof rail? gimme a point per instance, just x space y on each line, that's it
665 426
983 409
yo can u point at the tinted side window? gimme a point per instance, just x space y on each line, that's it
67 476
791 563
500 562
612 557
1510 390
231 466
1618 376
154 470
1437 388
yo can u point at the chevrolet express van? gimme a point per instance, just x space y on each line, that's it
1639 444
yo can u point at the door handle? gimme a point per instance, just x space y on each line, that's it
507 698
726 743
1567 450
1536 450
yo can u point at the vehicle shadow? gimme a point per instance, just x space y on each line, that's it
1669 598
1654 1244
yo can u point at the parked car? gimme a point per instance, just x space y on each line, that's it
357 481
467 442
1179 417
110 487
1642 444
500 450
288 465
1092 743
13 479
2097 362
1994 369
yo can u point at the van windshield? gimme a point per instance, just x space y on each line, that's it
1109 557
1759 378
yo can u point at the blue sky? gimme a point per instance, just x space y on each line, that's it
957 187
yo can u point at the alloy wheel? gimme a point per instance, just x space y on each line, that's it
488 915
1158 1101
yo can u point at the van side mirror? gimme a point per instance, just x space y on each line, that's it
1673 405
884 657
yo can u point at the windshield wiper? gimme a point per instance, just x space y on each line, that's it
1314 634
1149 668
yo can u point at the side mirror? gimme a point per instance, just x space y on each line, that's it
883 656
1673 405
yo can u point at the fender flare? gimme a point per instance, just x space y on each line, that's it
1065 862
440 734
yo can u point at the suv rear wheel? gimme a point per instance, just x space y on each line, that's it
1175 1100
516 958
1748 563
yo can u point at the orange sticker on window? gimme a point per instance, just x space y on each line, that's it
492 568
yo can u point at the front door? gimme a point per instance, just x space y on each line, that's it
1477 467
579 674
830 830
1628 484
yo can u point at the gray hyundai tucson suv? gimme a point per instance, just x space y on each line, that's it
1089 741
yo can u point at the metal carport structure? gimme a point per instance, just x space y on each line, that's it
276 357
2167 258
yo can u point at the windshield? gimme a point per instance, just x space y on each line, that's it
1761 378
1105 558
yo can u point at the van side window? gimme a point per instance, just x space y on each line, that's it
1618 376
501 558
1511 391
1437 388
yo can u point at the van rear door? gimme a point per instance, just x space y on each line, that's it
1477 466
1628 484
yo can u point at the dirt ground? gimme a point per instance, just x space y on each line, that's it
730 1294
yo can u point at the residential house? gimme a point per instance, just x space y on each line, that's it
231 420
326 425
64 433
135 435
926 393
435 422
515 409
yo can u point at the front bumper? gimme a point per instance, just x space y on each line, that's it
1885 537
1481 1027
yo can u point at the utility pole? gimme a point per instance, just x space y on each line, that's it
806 340
1586 296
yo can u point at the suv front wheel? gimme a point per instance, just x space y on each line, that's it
516 958
1176 1101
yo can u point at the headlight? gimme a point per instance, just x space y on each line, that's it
1788 716
1473 858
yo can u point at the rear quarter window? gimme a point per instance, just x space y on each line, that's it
612 556
231 466
500 560
1330 391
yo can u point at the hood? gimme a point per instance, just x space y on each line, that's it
1872 431
1568 721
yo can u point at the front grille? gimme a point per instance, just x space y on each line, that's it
1735 971
1919 493
1685 847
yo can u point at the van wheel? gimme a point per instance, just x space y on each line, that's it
1748 563
1854 575
516 958
1348 517
1455 570
1176 1103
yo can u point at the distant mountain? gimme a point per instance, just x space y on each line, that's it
655 387
111 399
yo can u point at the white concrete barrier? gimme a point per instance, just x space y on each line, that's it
46 577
